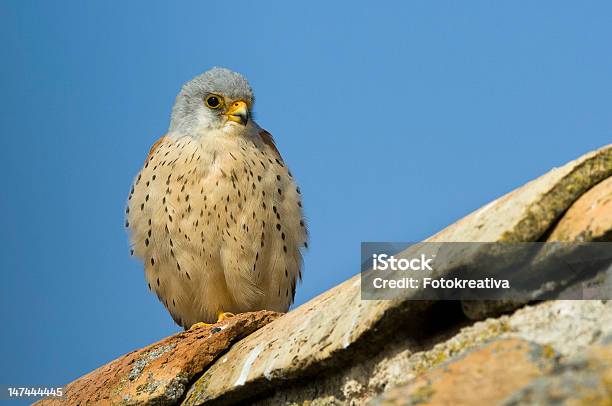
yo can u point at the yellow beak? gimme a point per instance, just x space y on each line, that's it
238 112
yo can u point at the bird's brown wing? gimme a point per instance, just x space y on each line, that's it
155 146
269 141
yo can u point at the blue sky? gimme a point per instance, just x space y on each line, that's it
396 120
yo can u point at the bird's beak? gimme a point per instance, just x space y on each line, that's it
238 112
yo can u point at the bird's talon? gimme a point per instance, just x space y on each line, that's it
224 315
200 324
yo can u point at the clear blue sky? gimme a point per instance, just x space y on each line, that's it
396 120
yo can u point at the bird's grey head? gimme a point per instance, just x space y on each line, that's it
212 100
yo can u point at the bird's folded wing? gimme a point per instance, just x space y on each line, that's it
156 145
269 141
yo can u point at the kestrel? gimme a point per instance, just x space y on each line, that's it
215 213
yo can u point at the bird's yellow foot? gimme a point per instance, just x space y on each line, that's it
224 315
200 324
220 317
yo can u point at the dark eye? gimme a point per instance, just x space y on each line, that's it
214 101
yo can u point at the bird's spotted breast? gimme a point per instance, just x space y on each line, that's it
218 223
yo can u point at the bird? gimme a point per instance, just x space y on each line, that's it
215 213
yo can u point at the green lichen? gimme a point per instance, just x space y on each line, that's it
458 346
542 214
422 394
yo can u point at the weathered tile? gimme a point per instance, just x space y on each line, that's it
160 373
589 218
485 376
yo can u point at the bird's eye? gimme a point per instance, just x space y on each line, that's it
214 101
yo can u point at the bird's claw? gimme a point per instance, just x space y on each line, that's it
199 324
220 317
224 315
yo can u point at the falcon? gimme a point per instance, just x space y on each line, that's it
215 214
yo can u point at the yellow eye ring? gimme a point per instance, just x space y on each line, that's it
213 101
